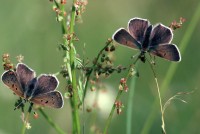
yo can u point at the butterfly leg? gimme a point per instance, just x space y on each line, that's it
142 56
20 104
30 107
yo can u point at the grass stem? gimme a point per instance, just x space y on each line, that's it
108 121
25 120
71 56
159 97
51 122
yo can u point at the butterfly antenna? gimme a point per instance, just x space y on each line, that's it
136 55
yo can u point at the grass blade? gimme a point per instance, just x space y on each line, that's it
130 106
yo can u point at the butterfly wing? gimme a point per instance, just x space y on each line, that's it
45 84
24 74
137 28
168 51
52 99
9 78
160 35
121 36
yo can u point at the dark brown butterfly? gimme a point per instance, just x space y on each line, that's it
39 90
148 38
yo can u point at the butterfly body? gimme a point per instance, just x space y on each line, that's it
155 40
39 90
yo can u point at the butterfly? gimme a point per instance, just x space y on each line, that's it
38 90
148 38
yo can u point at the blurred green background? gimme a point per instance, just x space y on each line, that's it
29 28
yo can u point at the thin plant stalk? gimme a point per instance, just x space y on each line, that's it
24 124
108 121
111 112
172 68
73 71
51 122
129 112
26 119
160 99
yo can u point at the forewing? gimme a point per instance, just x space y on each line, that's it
169 52
51 99
137 28
121 36
24 74
160 35
45 84
9 78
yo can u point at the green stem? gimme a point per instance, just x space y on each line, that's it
26 119
50 121
160 99
24 125
111 113
117 98
172 69
71 67
73 70
129 112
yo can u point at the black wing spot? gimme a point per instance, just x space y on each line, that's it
13 85
16 88
46 102
41 100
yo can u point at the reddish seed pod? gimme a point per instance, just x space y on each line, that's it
126 88
118 105
123 81
65 13
8 66
107 49
63 1
35 115
55 8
